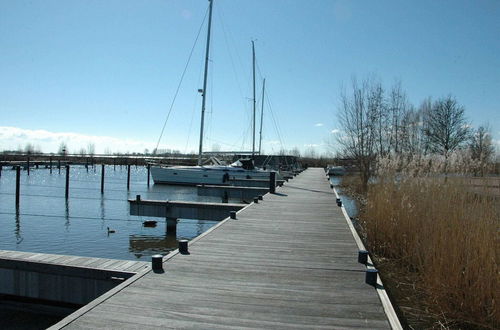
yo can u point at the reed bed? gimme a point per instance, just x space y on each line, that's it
439 243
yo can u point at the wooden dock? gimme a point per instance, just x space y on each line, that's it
289 261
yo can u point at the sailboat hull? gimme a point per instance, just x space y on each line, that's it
214 175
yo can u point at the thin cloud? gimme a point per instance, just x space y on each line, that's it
335 131
14 137
318 125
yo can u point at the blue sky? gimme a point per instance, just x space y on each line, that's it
106 71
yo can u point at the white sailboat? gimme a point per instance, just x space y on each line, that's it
212 174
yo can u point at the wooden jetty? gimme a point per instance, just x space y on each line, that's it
62 278
288 261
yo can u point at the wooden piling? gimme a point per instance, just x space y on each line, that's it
149 171
18 184
50 164
128 177
1 171
59 165
28 165
67 182
102 179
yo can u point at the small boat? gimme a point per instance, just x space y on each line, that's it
335 170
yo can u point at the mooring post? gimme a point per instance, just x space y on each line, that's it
272 182
232 214
18 184
371 276
28 165
157 262
363 257
183 246
67 182
256 200
59 165
102 179
128 177
1 166
114 164
149 171
50 164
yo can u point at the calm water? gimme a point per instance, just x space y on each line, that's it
349 203
46 223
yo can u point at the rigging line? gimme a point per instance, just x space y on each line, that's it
219 12
180 83
274 120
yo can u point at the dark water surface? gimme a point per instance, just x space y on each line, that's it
47 223
350 204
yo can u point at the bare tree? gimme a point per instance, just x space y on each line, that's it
63 149
358 118
91 149
481 147
446 127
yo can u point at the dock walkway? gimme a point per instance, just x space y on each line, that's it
289 261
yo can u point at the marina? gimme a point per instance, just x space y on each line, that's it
288 261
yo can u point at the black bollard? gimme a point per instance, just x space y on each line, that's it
371 277
183 246
260 197
256 200
102 179
67 182
272 182
157 262
232 214
363 257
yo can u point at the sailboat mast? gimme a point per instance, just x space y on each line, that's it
262 114
253 61
204 91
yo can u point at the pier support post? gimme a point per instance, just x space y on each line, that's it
102 179
149 171
59 165
272 182
28 165
67 182
1 167
50 164
128 177
172 226
18 184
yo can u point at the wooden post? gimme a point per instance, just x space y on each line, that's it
50 164
28 165
67 182
114 164
1 171
128 177
149 171
102 179
272 182
18 184
59 165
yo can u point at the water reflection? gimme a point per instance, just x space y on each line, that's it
78 225
147 245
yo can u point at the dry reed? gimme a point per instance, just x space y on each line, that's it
446 238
